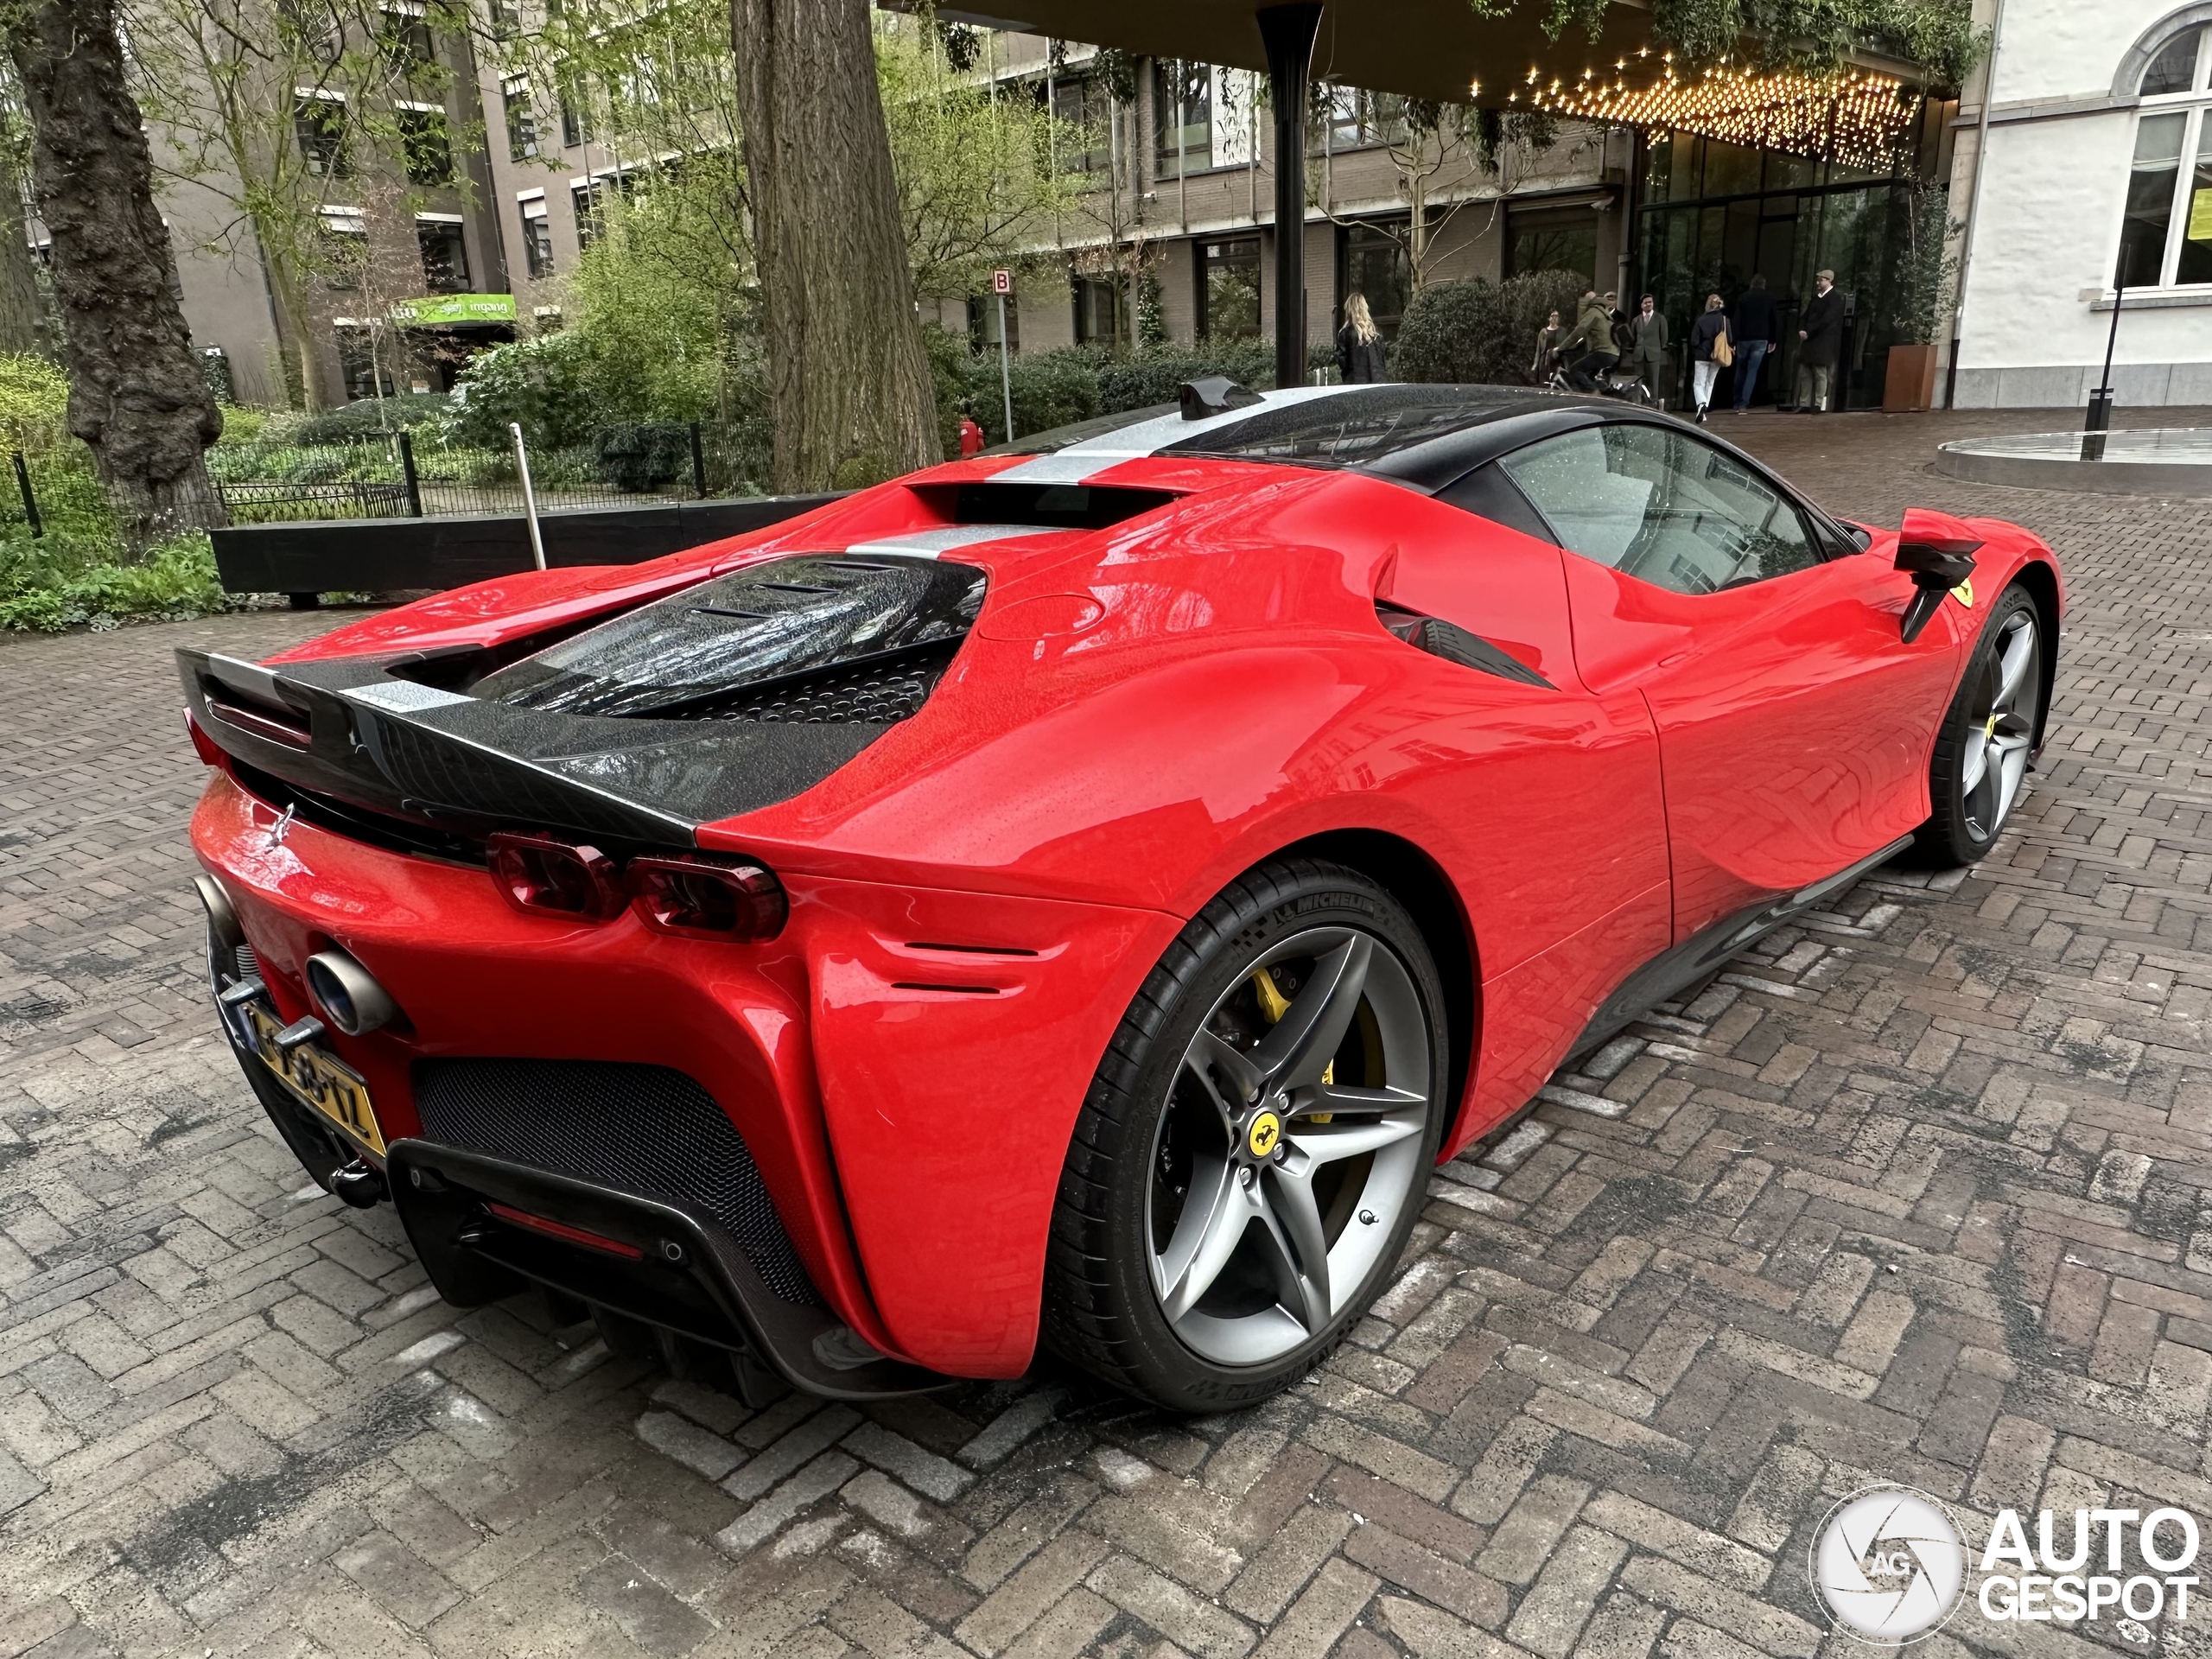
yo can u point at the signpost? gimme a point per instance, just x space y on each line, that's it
1001 285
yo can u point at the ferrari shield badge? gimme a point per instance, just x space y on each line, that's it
1964 592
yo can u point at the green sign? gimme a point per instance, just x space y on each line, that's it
441 309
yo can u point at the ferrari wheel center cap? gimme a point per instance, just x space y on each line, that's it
1264 1133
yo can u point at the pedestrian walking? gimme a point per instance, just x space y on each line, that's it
1710 351
1819 334
1549 339
1751 338
1361 353
971 435
1650 329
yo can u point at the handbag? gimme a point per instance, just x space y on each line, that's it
1723 353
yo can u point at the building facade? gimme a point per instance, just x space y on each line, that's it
2085 169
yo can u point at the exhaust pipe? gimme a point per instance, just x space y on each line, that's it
348 993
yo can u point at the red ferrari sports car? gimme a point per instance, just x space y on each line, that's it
1078 891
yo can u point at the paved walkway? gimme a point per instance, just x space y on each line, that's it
1917 1191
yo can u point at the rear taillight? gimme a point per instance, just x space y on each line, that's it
210 751
703 898
541 876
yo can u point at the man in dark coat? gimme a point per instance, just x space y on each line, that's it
1819 336
1751 334
1650 333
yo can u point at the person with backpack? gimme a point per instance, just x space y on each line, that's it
1711 352
1590 351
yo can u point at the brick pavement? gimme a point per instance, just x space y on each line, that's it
1918 1191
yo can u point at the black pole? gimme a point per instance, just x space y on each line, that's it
31 501
1287 32
2100 415
698 463
407 472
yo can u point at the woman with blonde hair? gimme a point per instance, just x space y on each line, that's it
1360 351
1710 351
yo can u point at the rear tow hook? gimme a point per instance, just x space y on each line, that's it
358 1184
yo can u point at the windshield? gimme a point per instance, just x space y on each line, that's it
1359 427
1060 438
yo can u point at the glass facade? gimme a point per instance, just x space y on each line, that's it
1710 215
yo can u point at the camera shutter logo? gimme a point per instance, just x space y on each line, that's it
1888 1563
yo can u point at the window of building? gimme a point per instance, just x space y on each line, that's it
1101 319
425 150
506 18
1359 119
1084 138
1182 116
1375 268
522 125
1229 289
1551 239
445 253
342 246
405 37
590 205
1663 507
358 364
2165 237
319 120
575 109
537 237
983 324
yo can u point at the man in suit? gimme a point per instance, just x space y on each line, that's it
1820 337
1752 337
1651 331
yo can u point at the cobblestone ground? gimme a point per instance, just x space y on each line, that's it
1916 1192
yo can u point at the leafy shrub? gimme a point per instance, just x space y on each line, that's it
641 457
1526 300
1452 331
538 383
1050 388
368 418
1150 376
59 582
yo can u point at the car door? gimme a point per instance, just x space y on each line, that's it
1794 723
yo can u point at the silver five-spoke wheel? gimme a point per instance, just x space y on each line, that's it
2001 724
1291 1146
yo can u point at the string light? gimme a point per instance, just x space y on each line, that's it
1852 116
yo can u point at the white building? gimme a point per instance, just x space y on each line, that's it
2098 170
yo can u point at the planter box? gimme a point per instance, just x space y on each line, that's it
1909 381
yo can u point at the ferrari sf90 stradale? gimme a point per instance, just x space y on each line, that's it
1078 892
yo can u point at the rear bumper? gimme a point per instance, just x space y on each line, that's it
486 1228
904 1065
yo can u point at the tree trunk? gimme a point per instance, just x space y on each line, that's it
848 386
23 324
137 395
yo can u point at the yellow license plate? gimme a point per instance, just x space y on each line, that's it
319 1079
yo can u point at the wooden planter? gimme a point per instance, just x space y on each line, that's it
1909 381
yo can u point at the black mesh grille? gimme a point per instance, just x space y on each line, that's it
638 1128
883 690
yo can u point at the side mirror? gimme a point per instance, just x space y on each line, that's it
1937 551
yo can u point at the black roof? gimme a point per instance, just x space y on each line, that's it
1424 435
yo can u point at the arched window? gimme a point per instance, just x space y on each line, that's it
2165 238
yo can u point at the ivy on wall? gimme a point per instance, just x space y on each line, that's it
1807 34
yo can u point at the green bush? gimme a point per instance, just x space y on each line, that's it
1477 330
1451 332
641 457
538 383
57 582
369 417
1150 376
1526 300
1050 388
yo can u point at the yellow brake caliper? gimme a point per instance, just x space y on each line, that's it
1274 1005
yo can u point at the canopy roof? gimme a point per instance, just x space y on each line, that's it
1426 49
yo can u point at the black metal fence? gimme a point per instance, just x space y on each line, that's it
396 476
